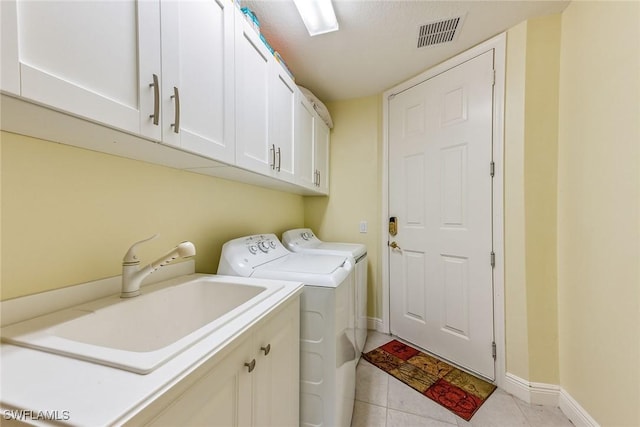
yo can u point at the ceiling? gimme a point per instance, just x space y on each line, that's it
375 48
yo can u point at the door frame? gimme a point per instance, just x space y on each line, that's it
498 45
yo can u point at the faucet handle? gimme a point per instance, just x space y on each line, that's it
131 257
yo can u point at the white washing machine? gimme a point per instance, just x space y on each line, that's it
303 240
327 354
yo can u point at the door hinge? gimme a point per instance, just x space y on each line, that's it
494 351
493 77
492 169
493 259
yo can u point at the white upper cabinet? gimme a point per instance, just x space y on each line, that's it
305 143
282 104
265 104
193 75
321 132
253 150
92 59
197 77
312 148
9 65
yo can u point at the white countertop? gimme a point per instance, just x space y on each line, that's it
83 393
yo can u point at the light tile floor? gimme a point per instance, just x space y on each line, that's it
383 401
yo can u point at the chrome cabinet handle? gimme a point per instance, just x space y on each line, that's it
273 156
319 178
279 160
251 365
176 97
156 100
266 349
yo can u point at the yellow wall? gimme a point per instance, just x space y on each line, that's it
531 145
355 186
540 193
599 209
516 328
69 215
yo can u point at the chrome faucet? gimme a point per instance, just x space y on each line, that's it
132 276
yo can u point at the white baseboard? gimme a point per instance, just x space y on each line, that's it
550 395
576 413
536 393
376 324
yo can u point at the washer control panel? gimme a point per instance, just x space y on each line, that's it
262 243
300 238
242 255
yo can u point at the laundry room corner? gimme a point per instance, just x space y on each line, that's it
356 141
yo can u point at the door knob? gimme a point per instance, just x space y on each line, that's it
394 245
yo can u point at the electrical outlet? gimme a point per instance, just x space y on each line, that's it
363 226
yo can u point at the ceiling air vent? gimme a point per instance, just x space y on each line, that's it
439 32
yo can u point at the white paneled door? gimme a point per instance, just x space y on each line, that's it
440 191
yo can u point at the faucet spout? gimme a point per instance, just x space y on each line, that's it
132 275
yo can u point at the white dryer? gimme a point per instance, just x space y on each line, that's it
302 240
327 354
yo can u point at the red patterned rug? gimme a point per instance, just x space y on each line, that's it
456 390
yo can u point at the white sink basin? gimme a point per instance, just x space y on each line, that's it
141 333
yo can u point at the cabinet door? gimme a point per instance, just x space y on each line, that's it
304 145
276 382
197 77
9 65
220 398
253 148
282 103
92 59
321 132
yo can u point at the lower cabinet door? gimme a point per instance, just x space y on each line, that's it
276 383
221 398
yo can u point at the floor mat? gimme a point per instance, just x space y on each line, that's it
456 390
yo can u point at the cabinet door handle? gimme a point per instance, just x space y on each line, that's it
251 365
266 349
176 99
279 160
273 156
156 100
318 178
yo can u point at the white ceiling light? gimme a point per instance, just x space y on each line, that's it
318 16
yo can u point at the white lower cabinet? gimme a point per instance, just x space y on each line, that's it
256 383
222 397
276 383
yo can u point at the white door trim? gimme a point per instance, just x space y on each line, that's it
498 44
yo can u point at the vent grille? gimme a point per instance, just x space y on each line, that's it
438 32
